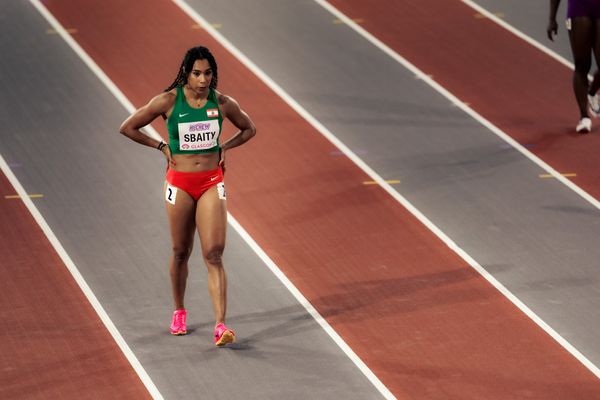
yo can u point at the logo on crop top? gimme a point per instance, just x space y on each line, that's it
199 135
212 112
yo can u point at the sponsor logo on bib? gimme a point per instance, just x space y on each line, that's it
198 135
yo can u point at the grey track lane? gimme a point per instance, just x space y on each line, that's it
534 235
103 200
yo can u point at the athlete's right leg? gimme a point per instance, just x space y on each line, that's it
581 37
594 101
181 211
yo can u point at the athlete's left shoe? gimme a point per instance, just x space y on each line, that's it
223 335
584 125
594 104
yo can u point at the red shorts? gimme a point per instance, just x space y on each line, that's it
194 183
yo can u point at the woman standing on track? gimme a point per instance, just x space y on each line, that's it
584 34
194 188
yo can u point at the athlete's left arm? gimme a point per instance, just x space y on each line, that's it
232 111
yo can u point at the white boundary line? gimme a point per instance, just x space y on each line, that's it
519 34
87 291
361 164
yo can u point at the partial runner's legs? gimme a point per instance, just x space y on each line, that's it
211 221
181 209
595 85
581 37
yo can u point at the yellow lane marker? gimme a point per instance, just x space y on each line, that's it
216 26
357 20
391 182
16 196
54 32
481 16
569 175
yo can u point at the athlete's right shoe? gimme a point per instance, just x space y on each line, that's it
594 104
223 335
584 125
178 326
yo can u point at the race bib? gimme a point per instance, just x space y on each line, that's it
221 190
200 135
170 193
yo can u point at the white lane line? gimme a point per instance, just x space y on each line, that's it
519 34
87 291
369 171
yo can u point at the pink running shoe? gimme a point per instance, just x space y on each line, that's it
223 335
178 324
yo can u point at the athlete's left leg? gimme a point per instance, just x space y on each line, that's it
581 38
596 81
211 222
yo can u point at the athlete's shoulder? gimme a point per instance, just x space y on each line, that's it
164 98
225 102
163 101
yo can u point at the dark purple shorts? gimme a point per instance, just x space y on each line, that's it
583 8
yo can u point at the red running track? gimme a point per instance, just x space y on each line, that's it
512 84
52 343
425 322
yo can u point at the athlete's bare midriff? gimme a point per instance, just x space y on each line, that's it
195 162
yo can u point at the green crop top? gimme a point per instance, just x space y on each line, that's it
194 130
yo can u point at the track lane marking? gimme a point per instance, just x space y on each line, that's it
391 182
55 32
446 239
18 196
338 21
568 175
87 291
482 16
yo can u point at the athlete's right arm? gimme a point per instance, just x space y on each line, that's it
552 25
159 105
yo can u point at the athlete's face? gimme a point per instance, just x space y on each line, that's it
201 75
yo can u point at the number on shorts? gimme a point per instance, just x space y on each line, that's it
170 194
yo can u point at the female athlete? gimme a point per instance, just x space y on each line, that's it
194 189
584 35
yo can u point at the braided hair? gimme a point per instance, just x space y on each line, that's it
193 54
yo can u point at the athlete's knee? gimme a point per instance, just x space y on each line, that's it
181 253
582 66
214 255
